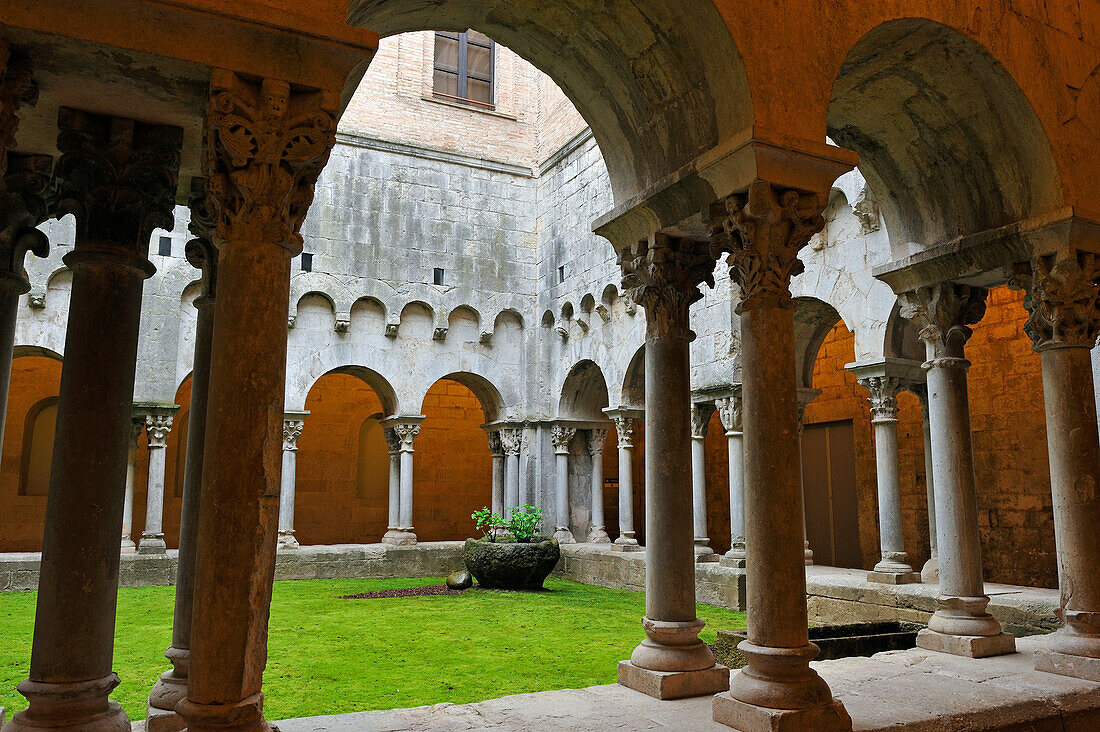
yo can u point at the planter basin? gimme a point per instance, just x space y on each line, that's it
835 641
510 566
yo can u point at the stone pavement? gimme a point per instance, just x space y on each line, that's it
914 690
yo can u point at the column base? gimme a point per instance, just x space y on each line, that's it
77 707
626 538
400 537
152 544
287 540
808 555
564 535
246 715
930 572
730 559
971 646
703 552
831 717
894 578
162 720
626 548
674 684
169 691
598 535
128 546
1064 664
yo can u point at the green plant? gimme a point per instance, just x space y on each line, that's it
492 524
524 522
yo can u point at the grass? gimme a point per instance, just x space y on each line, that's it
329 656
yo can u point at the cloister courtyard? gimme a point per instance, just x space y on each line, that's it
782 317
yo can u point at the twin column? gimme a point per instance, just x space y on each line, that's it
400 435
293 422
624 420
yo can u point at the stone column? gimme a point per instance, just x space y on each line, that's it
293 423
763 231
405 430
930 572
524 491
512 441
128 545
894 567
118 177
624 429
158 424
1063 302
700 420
393 525
24 180
596 439
961 624
729 411
497 451
265 145
171 688
663 275
560 437
805 396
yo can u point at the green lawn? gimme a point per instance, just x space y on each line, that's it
328 656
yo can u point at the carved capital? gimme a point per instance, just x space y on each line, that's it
700 419
884 397
943 313
157 429
495 448
137 426
763 230
200 251
393 442
17 89
118 178
511 439
406 433
1062 298
292 430
729 411
597 436
560 437
265 147
624 430
663 276
23 205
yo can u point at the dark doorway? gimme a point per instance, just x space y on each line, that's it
829 478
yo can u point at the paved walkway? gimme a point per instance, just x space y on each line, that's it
914 690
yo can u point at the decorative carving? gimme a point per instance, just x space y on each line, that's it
560 437
392 326
942 312
729 411
629 306
763 230
23 205
663 276
700 419
393 442
343 322
561 331
137 426
200 251
37 298
292 430
157 428
486 338
511 439
17 89
884 397
290 321
624 430
439 334
265 147
1062 298
406 433
596 438
495 448
117 177
604 313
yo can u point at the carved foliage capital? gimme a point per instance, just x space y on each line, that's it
495 448
624 430
393 442
511 439
17 89
157 428
943 313
118 178
663 276
1062 297
560 437
265 147
700 419
406 433
763 230
292 430
884 397
729 411
200 251
597 436
23 205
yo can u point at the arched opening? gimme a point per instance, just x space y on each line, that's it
583 398
947 140
28 447
342 466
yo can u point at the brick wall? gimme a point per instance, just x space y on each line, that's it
1010 454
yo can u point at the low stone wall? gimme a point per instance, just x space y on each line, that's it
597 564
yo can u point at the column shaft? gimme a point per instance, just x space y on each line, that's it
9 311
511 482
128 544
736 556
931 570
498 484
561 437
699 487
407 489
596 438
626 494
395 490
157 427
286 500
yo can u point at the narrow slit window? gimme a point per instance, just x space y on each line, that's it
463 68
561 274
164 246
437 276
307 262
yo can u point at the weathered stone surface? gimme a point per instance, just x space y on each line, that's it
460 580
511 565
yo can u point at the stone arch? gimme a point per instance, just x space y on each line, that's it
813 319
28 350
378 383
492 403
548 319
584 392
463 324
659 81
946 137
633 394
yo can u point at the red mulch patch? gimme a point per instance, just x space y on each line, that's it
405 592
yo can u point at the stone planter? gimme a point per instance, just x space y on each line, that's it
505 565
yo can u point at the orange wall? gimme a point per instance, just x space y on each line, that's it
1010 454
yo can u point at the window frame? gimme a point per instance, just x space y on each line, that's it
462 70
